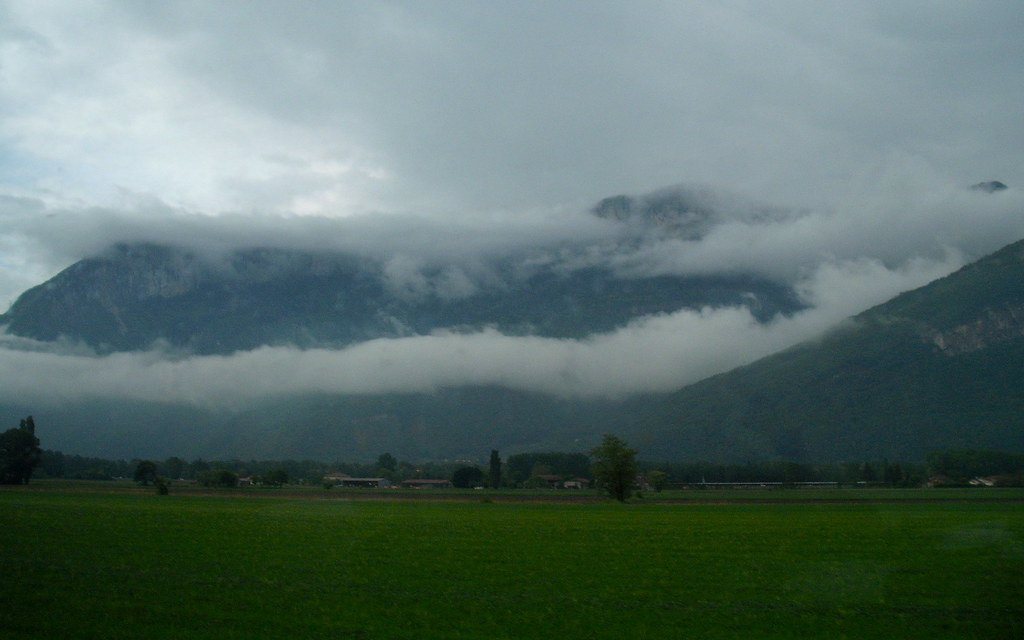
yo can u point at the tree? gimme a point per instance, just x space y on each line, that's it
521 466
658 480
892 473
19 453
173 467
494 471
867 472
275 478
466 477
145 472
197 467
387 461
614 467
217 478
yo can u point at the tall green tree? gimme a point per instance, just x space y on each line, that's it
173 467
145 472
275 478
387 461
658 480
19 453
614 466
494 470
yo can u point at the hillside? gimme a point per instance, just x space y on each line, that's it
938 367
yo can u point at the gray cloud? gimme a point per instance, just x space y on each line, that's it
462 107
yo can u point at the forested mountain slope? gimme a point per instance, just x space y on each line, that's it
938 367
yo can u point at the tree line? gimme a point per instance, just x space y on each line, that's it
516 471
612 465
953 467
56 464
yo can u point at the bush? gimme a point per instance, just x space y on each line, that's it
466 477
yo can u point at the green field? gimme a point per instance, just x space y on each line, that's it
82 563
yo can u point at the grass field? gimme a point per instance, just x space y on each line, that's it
82 563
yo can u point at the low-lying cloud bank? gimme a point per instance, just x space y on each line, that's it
652 354
888 225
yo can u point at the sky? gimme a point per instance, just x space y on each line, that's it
452 129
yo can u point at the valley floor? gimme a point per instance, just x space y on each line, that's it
98 560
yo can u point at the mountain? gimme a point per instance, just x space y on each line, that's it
936 368
136 295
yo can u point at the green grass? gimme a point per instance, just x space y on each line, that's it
79 563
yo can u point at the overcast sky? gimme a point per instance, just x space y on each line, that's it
454 123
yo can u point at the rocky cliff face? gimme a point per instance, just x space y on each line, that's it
136 271
127 274
996 325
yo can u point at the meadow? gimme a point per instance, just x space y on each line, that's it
80 562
